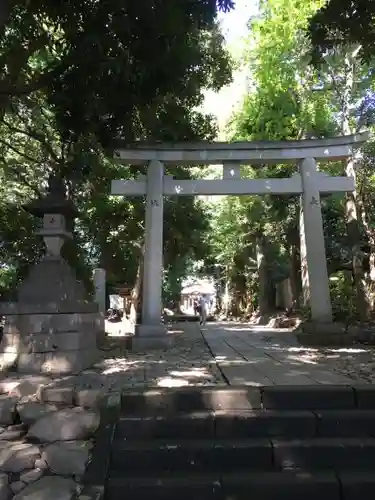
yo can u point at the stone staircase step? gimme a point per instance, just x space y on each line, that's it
237 443
297 485
142 457
291 485
200 424
138 457
324 453
237 424
189 399
306 397
249 423
188 487
221 424
276 397
354 423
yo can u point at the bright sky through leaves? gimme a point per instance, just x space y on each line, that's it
234 28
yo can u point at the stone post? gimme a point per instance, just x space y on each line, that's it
153 257
99 279
315 281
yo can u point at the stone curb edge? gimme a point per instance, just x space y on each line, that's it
95 477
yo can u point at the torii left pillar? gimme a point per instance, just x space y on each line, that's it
151 332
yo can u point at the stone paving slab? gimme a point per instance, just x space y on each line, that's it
258 356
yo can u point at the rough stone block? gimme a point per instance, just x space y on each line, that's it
29 385
57 342
316 334
57 363
323 327
67 458
32 363
7 409
18 456
49 487
62 393
31 411
55 323
65 425
89 397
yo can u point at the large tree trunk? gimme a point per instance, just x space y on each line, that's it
351 208
238 286
295 277
354 236
261 244
293 239
136 294
369 267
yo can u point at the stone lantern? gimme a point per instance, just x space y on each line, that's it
55 210
54 326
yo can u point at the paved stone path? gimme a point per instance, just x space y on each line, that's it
237 353
260 356
187 362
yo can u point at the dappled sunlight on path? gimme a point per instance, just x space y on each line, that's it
187 361
262 356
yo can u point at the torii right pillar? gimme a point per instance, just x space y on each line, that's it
315 281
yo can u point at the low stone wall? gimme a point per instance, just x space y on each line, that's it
333 334
55 343
45 438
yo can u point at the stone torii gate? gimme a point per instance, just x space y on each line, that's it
309 183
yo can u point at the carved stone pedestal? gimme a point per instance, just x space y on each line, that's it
58 336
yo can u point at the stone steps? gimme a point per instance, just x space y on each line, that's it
175 456
249 423
291 485
244 442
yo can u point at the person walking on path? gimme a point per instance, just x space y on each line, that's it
203 305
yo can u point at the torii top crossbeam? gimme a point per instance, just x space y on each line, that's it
260 152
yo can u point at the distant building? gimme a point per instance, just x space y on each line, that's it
192 291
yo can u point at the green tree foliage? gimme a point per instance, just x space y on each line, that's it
74 77
257 239
342 22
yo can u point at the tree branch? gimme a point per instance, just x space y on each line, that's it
33 135
15 150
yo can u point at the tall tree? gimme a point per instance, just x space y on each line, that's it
90 73
291 99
